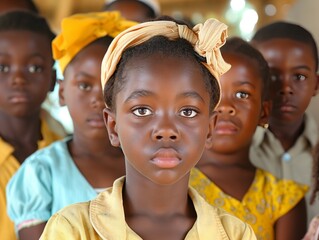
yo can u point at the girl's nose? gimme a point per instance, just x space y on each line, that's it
225 109
165 130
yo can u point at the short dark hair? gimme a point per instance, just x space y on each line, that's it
239 46
150 13
166 47
281 29
25 20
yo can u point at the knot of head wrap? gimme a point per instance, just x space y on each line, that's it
206 39
79 30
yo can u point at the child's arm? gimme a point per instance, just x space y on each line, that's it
292 225
32 233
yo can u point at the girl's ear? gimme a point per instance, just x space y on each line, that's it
212 124
61 92
110 123
53 80
264 115
317 85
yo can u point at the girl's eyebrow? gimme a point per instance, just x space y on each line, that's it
145 93
244 82
192 94
302 67
139 93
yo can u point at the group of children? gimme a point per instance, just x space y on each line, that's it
210 134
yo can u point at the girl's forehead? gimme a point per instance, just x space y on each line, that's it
160 75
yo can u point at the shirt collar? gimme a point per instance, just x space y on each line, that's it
310 132
108 208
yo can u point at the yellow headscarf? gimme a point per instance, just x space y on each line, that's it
78 30
206 38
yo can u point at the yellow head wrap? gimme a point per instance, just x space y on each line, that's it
78 30
206 38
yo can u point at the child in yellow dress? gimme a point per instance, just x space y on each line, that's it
225 176
160 82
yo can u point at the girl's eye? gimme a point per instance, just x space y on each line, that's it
84 86
242 95
142 112
189 113
273 78
4 68
300 77
35 69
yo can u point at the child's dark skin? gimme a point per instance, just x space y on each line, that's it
294 83
132 10
26 76
98 161
240 111
163 134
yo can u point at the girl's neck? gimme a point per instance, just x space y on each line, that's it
235 159
143 197
85 147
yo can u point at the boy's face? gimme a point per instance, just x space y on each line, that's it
162 118
81 92
26 73
293 78
241 108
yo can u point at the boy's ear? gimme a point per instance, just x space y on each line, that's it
265 111
61 92
53 80
110 123
212 124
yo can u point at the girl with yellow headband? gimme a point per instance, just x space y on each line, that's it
80 166
160 82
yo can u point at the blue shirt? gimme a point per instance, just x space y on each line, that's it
47 181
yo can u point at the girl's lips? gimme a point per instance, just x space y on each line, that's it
97 123
166 158
225 128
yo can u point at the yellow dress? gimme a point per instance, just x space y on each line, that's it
9 165
267 199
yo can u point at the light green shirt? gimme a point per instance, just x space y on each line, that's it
267 153
104 218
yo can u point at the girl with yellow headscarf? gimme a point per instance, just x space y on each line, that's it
160 81
77 168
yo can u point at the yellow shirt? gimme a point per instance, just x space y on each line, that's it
8 166
266 200
104 218
267 153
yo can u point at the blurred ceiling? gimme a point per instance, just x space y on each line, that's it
194 10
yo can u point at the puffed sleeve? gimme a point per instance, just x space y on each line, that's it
29 196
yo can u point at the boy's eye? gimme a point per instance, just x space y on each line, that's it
142 112
84 86
242 95
35 69
300 77
189 113
4 68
